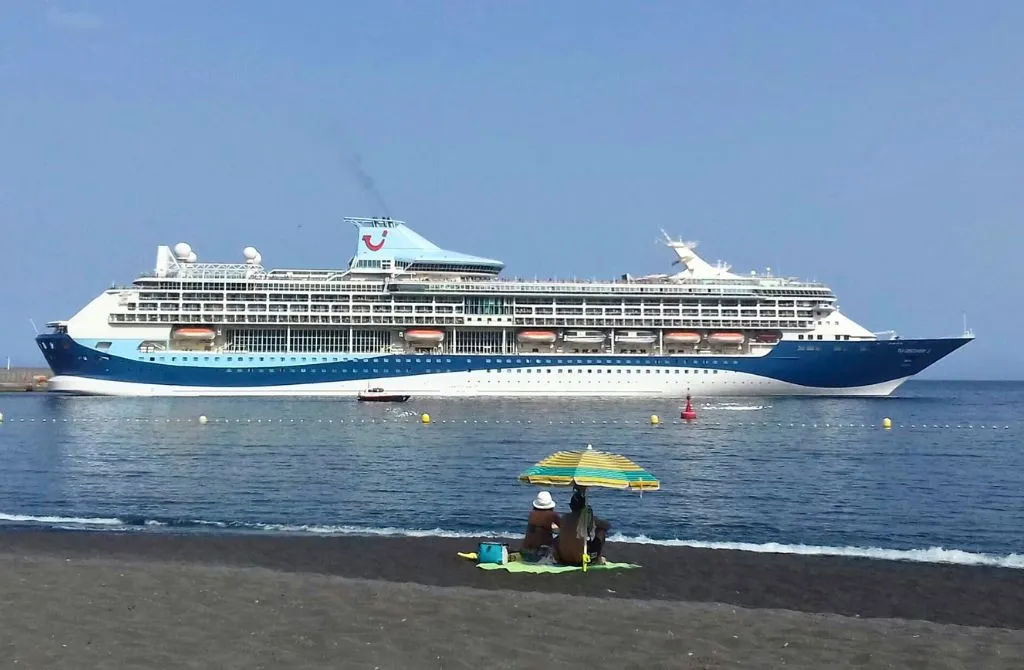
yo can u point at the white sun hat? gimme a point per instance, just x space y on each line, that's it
543 501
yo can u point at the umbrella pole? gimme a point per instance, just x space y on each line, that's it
582 490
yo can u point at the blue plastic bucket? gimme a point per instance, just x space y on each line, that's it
491 552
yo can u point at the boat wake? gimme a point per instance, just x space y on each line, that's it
141 524
732 407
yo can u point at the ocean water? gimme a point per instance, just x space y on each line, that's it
806 475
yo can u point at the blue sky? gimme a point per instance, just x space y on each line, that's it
876 146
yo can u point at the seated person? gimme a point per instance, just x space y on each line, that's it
572 539
540 527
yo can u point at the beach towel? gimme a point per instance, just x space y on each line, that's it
517 564
541 568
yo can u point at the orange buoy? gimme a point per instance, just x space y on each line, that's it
688 414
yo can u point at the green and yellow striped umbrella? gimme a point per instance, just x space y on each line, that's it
590 468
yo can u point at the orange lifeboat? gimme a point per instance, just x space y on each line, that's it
726 338
195 334
681 338
536 336
424 336
768 338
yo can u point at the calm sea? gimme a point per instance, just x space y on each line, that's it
946 483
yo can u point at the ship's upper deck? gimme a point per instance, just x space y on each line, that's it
390 254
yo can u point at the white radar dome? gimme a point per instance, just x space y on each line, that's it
191 257
182 250
250 253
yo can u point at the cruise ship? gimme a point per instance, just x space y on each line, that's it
410 317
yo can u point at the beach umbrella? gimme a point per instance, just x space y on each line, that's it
588 467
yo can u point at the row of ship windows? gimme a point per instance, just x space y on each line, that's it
302 359
601 288
421 361
345 319
500 307
811 337
146 298
491 286
706 310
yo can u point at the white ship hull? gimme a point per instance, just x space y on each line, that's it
470 384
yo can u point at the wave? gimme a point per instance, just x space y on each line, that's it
92 521
735 407
106 524
929 555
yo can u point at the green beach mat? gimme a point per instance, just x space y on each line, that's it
542 568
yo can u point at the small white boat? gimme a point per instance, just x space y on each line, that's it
644 337
196 334
380 395
424 336
584 337
677 337
726 338
536 336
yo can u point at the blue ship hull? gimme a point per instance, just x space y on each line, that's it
790 368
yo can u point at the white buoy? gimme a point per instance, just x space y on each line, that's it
203 419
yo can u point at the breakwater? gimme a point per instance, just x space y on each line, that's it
24 379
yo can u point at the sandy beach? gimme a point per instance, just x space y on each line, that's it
139 600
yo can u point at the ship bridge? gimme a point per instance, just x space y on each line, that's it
389 246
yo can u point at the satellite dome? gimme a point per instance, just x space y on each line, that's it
191 257
250 253
182 250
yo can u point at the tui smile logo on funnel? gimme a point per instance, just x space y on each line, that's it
375 246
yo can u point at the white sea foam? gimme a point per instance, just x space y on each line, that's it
735 408
89 521
929 555
926 555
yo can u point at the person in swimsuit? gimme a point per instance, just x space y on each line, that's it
541 526
581 530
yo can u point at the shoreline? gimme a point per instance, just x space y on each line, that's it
849 586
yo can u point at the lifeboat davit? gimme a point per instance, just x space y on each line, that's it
584 337
195 334
681 338
424 336
726 338
636 337
536 336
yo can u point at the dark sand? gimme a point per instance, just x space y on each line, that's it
85 600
